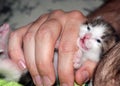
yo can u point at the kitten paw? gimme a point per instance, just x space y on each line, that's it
76 65
77 60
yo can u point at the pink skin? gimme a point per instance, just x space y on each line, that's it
82 41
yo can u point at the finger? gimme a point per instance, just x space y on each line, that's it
85 72
15 46
66 53
29 49
67 49
44 44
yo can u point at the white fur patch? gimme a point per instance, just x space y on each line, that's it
92 48
9 70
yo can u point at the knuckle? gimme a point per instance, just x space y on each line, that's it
43 15
52 24
43 33
76 14
65 48
29 36
56 12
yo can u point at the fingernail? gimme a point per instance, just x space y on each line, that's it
37 80
85 76
22 65
64 84
47 81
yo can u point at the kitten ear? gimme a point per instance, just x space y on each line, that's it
4 32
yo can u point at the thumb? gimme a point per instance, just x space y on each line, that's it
84 73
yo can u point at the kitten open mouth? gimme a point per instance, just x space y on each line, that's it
82 43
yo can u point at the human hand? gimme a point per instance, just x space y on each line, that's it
33 45
85 72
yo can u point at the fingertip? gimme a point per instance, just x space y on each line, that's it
78 77
82 77
48 81
18 58
85 72
47 73
22 65
37 80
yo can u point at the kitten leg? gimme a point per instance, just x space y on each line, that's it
77 59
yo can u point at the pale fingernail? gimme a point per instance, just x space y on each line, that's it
85 76
47 81
64 84
22 65
37 80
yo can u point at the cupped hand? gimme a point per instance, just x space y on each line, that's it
32 47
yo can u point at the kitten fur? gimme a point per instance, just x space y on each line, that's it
96 37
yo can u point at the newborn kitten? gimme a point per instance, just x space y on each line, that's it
96 37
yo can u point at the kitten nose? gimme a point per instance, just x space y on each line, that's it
88 35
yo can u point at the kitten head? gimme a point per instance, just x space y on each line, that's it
4 32
96 35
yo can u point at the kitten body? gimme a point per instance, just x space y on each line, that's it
96 37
